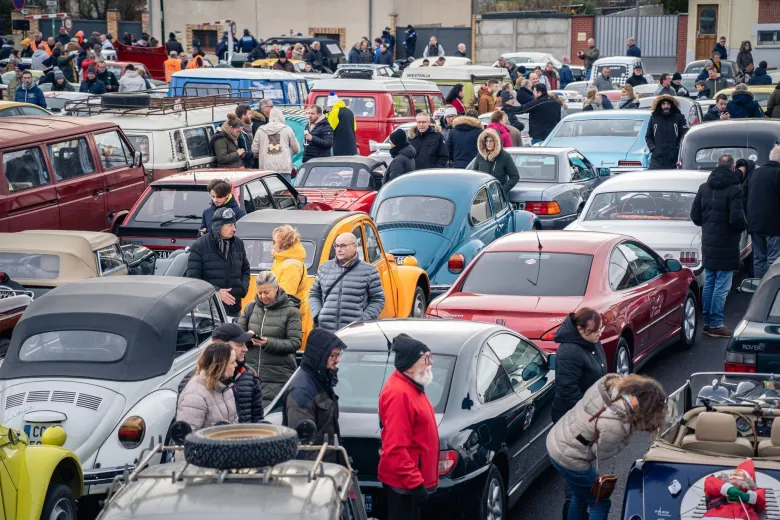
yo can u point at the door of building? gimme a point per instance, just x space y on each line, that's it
706 30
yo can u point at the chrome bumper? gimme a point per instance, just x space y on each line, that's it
103 476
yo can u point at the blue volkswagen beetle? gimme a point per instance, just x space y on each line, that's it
444 217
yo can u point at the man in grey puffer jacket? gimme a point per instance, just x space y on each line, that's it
335 300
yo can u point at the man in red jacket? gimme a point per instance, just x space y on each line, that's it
409 460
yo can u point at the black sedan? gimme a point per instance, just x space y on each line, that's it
741 138
492 391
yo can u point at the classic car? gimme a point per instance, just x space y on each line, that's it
168 214
760 93
529 59
491 392
691 74
714 422
331 51
444 218
554 183
449 61
344 183
43 259
43 481
690 108
363 71
407 288
655 207
12 108
755 345
103 359
586 132
303 489
530 282
13 302
620 68
743 139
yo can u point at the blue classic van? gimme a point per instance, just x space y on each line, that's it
283 88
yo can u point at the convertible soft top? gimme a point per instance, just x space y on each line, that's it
762 300
144 310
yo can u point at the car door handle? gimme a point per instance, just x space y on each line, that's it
109 188
98 193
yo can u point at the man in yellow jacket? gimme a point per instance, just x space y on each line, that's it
172 64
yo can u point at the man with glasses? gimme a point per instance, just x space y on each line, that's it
429 144
346 289
409 460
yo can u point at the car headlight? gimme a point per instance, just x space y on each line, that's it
131 432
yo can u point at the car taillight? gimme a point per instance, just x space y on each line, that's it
131 432
456 263
550 334
543 208
293 173
689 258
632 164
739 362
447 461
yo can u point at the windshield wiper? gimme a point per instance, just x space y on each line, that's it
177 218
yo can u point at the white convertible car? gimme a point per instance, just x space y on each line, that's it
103 359
653 206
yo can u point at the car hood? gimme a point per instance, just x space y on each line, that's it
429 248
335 198
659 235
593 148
529 191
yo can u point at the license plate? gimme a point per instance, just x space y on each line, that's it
369 501
34 431
163 254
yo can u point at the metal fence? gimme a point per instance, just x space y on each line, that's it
448 37
657 35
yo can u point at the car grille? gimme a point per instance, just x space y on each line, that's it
90 402
412 225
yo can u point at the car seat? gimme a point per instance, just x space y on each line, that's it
174 265
771 447
717 432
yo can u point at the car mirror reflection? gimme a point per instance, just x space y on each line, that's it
749 285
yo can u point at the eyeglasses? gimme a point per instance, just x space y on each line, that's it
342 246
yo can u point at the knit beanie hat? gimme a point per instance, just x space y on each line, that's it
505 96
676 76
26 42
398 138
58 74
332 99
407 351
91 70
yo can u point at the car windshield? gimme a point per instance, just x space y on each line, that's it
427 210
31 266
84 346
516 273
615 70
708 157
695 68
641 205
163 204
537 167
259 252
600 128
115 69
363 374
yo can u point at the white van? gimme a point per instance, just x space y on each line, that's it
621 68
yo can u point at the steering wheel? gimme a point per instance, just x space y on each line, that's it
333 179
638 195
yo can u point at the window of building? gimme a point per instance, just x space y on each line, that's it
768 38
208 39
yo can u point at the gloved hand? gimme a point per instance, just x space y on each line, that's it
734 494
419 493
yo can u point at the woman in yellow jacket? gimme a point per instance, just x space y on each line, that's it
289 267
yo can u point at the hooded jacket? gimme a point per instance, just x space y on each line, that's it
280 322
462 141
289 267
287 66
760 77
201 408
354 55
503 132
579 364
745 57
321 140
763 199
38 58
247 391
635 80
403 161
275 144
208 213
409 457
717 209
773 105
226 148
566 76
430 148
664 133
32 95
487 101
109 80
65 87
723 51
524 95
743 105
543 114
497 163
258 120
131 82
342 120
93 86
613 426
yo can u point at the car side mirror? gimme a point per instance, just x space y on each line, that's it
673 265
302 200
137 159
604 172
306 430
179 430
749 285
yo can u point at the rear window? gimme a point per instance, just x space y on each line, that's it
537 167
641 205
428 210
180 204
31 266
529 274
330 176
259 252
363 374
86 346
708 157
600 128
360 106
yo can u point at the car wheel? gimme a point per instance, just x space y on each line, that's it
689 321
418 304
4 343
239 446
59 503
623 362
493 497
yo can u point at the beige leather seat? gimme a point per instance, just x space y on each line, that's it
771 448
717 432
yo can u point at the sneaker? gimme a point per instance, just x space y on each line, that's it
720 332
705 329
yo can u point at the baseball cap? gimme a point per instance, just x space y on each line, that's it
230 332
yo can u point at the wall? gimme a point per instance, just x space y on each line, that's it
582 28
735 20
498 33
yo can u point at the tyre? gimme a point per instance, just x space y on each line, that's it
493 503
4 343
418 304
690 321
240 446
624 364
59 503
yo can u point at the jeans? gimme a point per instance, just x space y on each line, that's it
766 249
582 502
587 74
717 285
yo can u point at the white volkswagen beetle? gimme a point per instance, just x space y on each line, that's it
103 359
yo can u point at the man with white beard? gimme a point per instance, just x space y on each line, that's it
409 460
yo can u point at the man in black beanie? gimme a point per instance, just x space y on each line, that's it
219 258
409 460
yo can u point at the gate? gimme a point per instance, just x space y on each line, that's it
133 28
657 37
448 37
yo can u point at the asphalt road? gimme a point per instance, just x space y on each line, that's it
672 368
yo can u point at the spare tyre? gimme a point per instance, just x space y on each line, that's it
241 446
126 100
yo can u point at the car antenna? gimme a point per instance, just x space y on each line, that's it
538 260
387 362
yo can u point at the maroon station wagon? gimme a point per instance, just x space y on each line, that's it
168 214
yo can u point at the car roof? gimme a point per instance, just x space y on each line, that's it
143 119
25 129
339 160
622 60
11 104
95 239
578 242
434 183
144 310
311 225
538 150
456 72
233 73
655 180
375 85
764 298
204 176
761 127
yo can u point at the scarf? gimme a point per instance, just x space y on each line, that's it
226 130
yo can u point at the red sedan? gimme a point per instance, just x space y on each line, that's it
531 281
347 183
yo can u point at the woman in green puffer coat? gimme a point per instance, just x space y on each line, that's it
275 319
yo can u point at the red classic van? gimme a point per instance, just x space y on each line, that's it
379 105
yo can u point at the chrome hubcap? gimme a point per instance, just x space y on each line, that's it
418 311
623 363
62 510
495 510
689 320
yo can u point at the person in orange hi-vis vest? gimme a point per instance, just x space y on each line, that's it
172 64
40 42
196 61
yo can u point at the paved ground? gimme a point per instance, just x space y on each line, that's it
672 368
